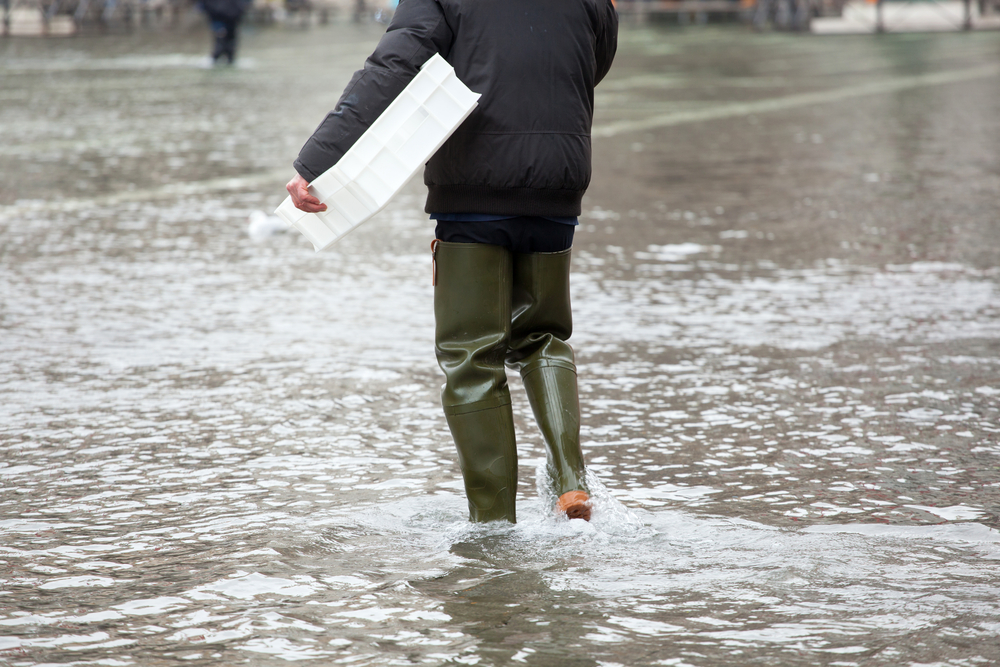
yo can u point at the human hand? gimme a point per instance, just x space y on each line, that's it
298 188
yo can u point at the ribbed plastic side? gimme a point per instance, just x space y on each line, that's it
387 155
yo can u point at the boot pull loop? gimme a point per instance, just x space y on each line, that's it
434 266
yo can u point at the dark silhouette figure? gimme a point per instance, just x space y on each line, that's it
224 16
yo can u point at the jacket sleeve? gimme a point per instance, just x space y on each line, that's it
418 30
607 38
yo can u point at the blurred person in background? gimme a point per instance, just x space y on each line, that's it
224 17
505 191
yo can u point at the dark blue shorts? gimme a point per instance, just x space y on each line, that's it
524 234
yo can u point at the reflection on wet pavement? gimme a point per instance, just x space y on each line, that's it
223 450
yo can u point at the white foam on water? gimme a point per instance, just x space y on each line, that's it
286 649
161 605
77 582
246 586
969 533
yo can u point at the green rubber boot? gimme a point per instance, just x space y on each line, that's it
472 315
542 322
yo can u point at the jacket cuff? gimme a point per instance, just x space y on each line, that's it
304 172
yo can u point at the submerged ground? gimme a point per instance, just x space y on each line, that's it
222 450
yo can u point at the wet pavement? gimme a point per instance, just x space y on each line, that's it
225 450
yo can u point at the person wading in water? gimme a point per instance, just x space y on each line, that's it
505 191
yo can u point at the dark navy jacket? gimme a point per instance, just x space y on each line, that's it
224 10
526 149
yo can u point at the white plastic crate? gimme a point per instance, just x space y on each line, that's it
387 155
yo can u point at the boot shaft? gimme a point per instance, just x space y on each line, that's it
472 302
493 306
542 317
472 313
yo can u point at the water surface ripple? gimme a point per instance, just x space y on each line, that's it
226 451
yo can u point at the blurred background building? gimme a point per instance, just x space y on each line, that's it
822 16
66 17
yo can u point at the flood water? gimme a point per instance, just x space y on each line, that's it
221 450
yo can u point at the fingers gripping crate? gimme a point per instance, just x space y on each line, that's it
387 155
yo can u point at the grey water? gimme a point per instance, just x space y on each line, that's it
221 448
